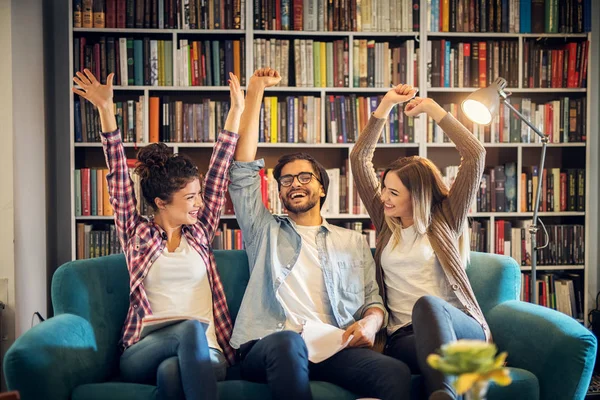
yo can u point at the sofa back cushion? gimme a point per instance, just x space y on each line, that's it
97 290
494 279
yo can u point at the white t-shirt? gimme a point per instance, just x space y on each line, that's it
303 294
412 270
177 284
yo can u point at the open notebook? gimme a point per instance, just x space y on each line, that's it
153 323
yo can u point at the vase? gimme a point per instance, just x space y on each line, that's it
478 391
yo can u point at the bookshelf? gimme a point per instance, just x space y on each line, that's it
334 155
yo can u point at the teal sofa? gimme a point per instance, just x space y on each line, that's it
74 354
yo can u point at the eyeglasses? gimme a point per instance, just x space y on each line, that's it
303 177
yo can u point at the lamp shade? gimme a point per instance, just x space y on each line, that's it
482 105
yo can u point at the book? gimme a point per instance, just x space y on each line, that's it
153 323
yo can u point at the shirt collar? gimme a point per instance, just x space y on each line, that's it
324 224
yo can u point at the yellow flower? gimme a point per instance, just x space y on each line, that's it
474 362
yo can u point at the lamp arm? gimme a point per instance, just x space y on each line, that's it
525 120
536 206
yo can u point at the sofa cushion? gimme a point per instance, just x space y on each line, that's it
239 390
114 391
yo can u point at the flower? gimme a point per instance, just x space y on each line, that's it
473 362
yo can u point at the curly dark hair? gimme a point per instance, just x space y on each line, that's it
163 173
318 170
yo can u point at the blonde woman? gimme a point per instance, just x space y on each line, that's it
422 240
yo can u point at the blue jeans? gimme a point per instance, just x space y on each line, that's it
434 322
281 360
177 358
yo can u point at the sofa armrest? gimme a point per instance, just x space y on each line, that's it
556 348
51 359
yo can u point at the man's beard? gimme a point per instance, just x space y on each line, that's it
301 208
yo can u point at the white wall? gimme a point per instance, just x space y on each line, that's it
29 173
22 166
7 212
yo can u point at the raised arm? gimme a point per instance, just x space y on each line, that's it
361 157
120 187
472 153
216 180
262 78
245 187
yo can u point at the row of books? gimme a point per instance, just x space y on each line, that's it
185 122
228 239
129 115
150 62
471 64
477 64
339 15
96 241
325 64
562 291
293 119
563 65
478 234
566 243
91 192
562 120
346 117
159 14
209 62
562 190
133 61
510 16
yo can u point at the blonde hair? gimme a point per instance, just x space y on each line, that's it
427 191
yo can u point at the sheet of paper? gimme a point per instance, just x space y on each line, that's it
322 340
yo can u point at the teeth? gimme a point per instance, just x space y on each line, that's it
294 195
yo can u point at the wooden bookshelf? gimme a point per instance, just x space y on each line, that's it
333 154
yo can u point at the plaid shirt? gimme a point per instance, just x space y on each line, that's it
143 242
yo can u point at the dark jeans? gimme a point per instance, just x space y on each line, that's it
178 359
434 322
281 360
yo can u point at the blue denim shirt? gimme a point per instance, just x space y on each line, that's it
273 246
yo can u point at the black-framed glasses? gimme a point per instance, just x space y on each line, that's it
303 177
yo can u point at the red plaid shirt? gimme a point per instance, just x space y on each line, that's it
143 242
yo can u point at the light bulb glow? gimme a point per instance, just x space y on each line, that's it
477 112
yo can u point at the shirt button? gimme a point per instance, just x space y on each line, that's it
135 306
279 325
455 287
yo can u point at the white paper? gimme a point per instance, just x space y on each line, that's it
322 340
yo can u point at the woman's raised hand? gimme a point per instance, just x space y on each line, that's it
236 93
93 91
400 94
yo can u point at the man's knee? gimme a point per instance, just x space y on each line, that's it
287 343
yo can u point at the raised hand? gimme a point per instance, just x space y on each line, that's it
265 77
93 91
400 94
417 106
236 93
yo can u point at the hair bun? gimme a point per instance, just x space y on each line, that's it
152 159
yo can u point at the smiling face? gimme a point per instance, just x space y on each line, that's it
396 197
185 204
300 198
